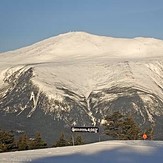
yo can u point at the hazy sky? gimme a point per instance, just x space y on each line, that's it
23 22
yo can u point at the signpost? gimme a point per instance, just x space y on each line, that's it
84 129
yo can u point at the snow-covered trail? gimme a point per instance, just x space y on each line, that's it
103 152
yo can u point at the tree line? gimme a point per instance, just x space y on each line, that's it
117 126
8 142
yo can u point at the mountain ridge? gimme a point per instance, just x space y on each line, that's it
81 44
70 79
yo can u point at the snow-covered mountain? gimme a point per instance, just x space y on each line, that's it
77 79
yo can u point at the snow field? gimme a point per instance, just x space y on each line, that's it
102 152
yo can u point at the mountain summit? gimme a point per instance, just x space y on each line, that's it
79 78
76 45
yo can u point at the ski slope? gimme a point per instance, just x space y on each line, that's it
102 152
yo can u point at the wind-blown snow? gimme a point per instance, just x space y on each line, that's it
103 152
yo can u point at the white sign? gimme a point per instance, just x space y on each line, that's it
85 129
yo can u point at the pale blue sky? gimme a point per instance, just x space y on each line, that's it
23 22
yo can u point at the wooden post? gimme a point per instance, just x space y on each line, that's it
73 141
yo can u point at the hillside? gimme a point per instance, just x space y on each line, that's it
77 79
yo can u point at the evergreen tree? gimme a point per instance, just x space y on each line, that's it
70 142
23 142
7 142
61 142
122 127
130 130
37 142
3 147
79 140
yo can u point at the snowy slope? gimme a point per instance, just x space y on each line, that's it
79 78
78 45
103 152
85 56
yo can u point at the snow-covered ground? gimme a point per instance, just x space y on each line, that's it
102 152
